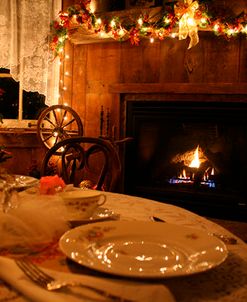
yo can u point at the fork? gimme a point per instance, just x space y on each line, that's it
46 281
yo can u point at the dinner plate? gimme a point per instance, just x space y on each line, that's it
143 249
100 214
23 181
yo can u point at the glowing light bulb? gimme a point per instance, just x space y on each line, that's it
151 40
230 31
167 21
203 21
121 32
113 23
216 27
140 21
191 22
66 56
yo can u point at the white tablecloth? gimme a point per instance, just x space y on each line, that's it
225 283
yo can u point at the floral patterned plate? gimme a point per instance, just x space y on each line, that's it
21 181
100 214
143 249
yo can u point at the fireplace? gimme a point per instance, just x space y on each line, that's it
188 151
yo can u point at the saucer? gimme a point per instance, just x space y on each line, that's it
100 214
143 249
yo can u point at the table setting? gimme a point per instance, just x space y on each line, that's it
103 246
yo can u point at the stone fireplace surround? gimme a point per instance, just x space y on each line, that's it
182 93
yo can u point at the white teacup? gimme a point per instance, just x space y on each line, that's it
81 204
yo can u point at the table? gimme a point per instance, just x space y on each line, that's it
225 283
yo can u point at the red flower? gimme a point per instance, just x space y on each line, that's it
134 36
56 25
50 184
55 39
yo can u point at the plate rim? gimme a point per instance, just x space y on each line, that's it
90 219
225 252
32 181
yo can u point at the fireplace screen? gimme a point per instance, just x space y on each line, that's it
193 154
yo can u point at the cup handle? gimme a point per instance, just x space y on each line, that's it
103 197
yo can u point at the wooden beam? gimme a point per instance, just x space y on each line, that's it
180 88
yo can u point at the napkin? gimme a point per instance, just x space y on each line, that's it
136 291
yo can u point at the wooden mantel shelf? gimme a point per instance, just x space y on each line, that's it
180 88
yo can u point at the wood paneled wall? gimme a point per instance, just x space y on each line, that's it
96 66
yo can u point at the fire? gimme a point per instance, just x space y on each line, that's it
194 159
195 163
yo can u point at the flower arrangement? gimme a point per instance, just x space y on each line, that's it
180 19
50 185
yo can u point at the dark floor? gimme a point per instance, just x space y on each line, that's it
235 227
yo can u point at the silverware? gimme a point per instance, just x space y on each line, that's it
226 239
34 273
157 219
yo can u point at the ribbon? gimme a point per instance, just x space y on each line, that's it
187 22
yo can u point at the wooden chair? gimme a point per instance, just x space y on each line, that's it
85 162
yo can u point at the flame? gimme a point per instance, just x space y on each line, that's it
195 162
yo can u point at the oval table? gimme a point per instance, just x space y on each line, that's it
224 283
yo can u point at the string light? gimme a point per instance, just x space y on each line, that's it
143 26
140 21
113 23
216 27
99 21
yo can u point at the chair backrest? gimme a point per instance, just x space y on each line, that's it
84 161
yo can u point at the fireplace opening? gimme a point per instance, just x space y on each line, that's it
191 154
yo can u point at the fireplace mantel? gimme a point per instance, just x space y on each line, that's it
181 88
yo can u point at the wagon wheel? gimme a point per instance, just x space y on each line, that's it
57 123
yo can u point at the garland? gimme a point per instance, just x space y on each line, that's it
181 19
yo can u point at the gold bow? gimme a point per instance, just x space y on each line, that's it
187 22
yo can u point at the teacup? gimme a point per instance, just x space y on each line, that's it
81 204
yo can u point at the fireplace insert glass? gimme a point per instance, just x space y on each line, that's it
193 154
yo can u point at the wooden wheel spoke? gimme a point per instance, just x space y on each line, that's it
56 140
47 138
63 119
70 122
48 120
55 116
65 134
